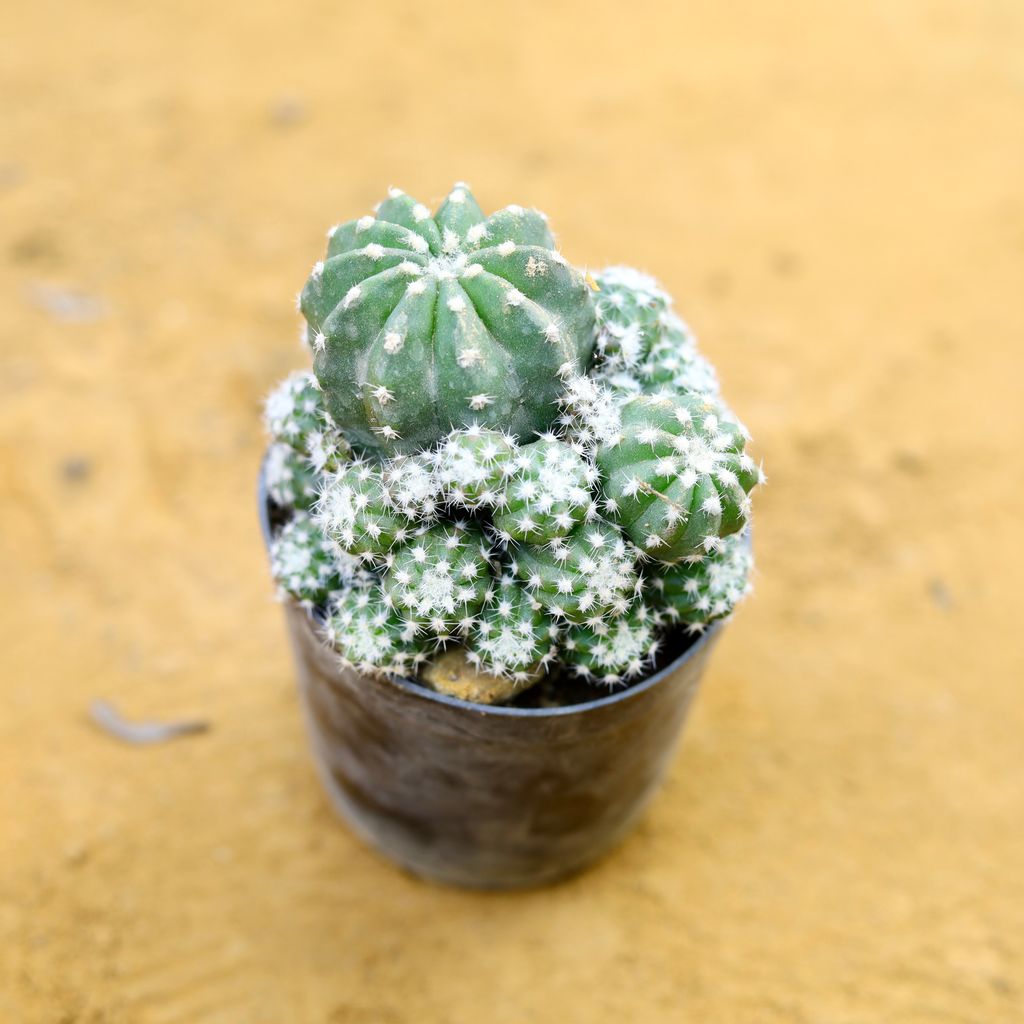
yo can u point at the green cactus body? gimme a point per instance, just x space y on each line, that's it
291 481
677 479
440 578
308 566
513 635
548 493
613 652
704 588
422 323
356 511
591 572
674 363
370 636
645 346
472 465
412 487
295 415
630 308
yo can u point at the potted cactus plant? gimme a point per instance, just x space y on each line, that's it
507 510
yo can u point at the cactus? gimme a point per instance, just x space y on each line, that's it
308 566
291 481
547 481
677 478
591 572
369 636
472 465
614 651
294 414
547 494
440 578
357 511
423 323
513 636
630 309
644 344
704 588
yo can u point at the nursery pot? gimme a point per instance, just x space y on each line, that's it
485 796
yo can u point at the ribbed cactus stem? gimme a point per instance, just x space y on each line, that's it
440 578
472 465
549 492
423 322
677 477
614 651
591 572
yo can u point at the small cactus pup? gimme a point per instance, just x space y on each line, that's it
308 566
295 415
357 511
513 637
291 480
440 579
472 465
704 588
548 493
589 573
677 478
371 637
612 652
643 344
423 322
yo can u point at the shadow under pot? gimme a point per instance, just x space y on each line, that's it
487 796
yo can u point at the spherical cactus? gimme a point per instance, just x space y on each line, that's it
673 362
590 410
613 651
412 487
591 572
513 635
371 637
423 323
440 578
295 415
308 566
704 588
548 493
472 465
291 480
356 511
630 308
677 478
645 345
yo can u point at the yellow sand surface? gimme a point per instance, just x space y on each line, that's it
832 191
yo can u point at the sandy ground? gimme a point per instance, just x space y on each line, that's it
833 193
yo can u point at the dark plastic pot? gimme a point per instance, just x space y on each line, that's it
479 796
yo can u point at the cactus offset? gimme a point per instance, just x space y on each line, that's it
358 513
549 492
472 464
644 344
308 566
370 636
614 651
591 572
421 323
295 415
440 578
677 478
513 636
493 398
291 480
703 588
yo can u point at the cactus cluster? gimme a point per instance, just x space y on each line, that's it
501 456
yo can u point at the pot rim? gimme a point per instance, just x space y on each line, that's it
411 687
